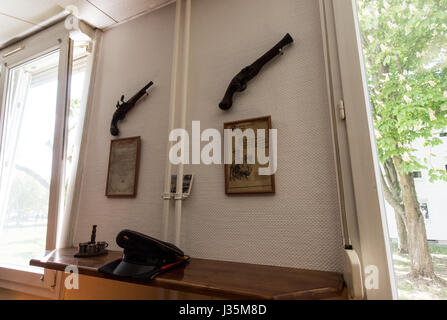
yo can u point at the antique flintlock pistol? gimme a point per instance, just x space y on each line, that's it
123 107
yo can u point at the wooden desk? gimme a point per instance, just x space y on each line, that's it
228 280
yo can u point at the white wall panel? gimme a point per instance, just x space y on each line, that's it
131 56
299 226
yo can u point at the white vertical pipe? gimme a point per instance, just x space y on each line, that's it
172 105
184 108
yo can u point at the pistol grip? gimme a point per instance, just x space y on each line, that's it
227 101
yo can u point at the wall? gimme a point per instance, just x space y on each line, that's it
130 56
431 193
299 225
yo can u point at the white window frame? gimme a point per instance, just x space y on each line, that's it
359 165
56 37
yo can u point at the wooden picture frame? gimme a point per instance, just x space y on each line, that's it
122 173
250 182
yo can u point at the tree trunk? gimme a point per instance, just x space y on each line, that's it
399 216
393 195
402 234
420 258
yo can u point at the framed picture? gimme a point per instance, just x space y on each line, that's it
124 160
244 178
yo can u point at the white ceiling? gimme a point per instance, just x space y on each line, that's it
19 16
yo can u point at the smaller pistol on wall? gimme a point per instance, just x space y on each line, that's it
239 82
123 107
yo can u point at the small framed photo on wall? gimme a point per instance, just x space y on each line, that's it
245 178
124 160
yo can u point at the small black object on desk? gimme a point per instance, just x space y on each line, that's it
92 248
93 236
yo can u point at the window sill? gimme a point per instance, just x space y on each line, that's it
30 282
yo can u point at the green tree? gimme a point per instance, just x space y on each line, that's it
406 60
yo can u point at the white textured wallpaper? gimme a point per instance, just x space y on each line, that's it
131 55
298 226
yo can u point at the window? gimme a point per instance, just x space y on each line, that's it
76 94
392 74
39 136
417 174
443 134
26 164
424 210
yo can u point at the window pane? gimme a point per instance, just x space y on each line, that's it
26 159
404 45
73 138
74 117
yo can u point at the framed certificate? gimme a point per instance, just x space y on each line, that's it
122 176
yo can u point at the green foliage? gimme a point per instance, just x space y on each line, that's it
73 121
75 107
405 48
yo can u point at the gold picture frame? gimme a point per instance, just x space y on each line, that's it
124 162
244 178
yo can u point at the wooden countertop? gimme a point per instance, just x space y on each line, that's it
229 280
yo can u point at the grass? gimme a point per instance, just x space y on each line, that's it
438 250
434 249
423 289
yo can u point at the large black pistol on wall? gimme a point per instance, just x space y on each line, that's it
239 82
